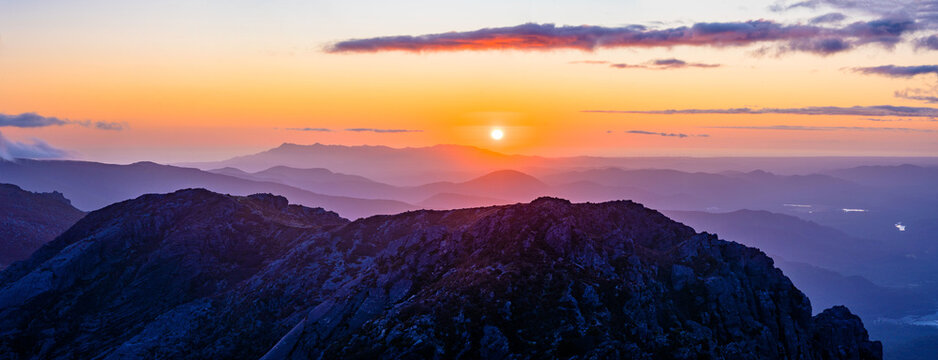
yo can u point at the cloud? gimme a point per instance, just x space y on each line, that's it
531 36
11 150
29 120
918 95
930 43
382 131
104 125
591 62
881 110
829 18
898 71
34 120
665 64
373 130
821 128
677 135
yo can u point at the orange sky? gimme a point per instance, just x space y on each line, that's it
240 92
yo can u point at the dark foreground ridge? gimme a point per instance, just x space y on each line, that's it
194 274
28 220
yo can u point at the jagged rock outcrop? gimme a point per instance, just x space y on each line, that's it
548 279
839 334
119 268
28 220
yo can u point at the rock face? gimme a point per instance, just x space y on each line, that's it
121 267
838 334
200 275
28 220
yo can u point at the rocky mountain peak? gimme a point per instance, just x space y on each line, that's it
195 274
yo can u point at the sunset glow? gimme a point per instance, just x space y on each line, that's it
214 79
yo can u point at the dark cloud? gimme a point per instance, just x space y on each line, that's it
898 71
812 38
677 135
881 110
829 18
930 43
665 64
382 131
821 128
310 129
11 150
30 120
826 46
923 12
33 120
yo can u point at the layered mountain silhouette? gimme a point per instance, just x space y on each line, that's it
495 188
92 185
418 165
28 220
195 274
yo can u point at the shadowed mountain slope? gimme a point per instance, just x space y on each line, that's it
28 220
246 277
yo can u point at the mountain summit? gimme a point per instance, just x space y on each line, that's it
195 274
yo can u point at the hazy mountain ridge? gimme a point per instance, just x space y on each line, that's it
611 279
28 220
420 165
93 185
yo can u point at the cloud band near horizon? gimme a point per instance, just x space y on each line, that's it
531 36
34 120
880 110
898 71
373 130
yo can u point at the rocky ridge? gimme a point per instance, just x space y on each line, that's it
195 274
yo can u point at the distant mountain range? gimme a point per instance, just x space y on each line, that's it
93 185
195 274
421 165
28 220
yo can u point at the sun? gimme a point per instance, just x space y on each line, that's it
497 134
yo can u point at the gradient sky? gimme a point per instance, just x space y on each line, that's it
175 81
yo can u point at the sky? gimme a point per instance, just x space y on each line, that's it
176 81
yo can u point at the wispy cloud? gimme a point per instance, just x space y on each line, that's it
590 62
34 120
38 149
382 131
923 11
372 130
829 18
677 135
881 110
822 128
918 95
665 64
898 71
531 36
